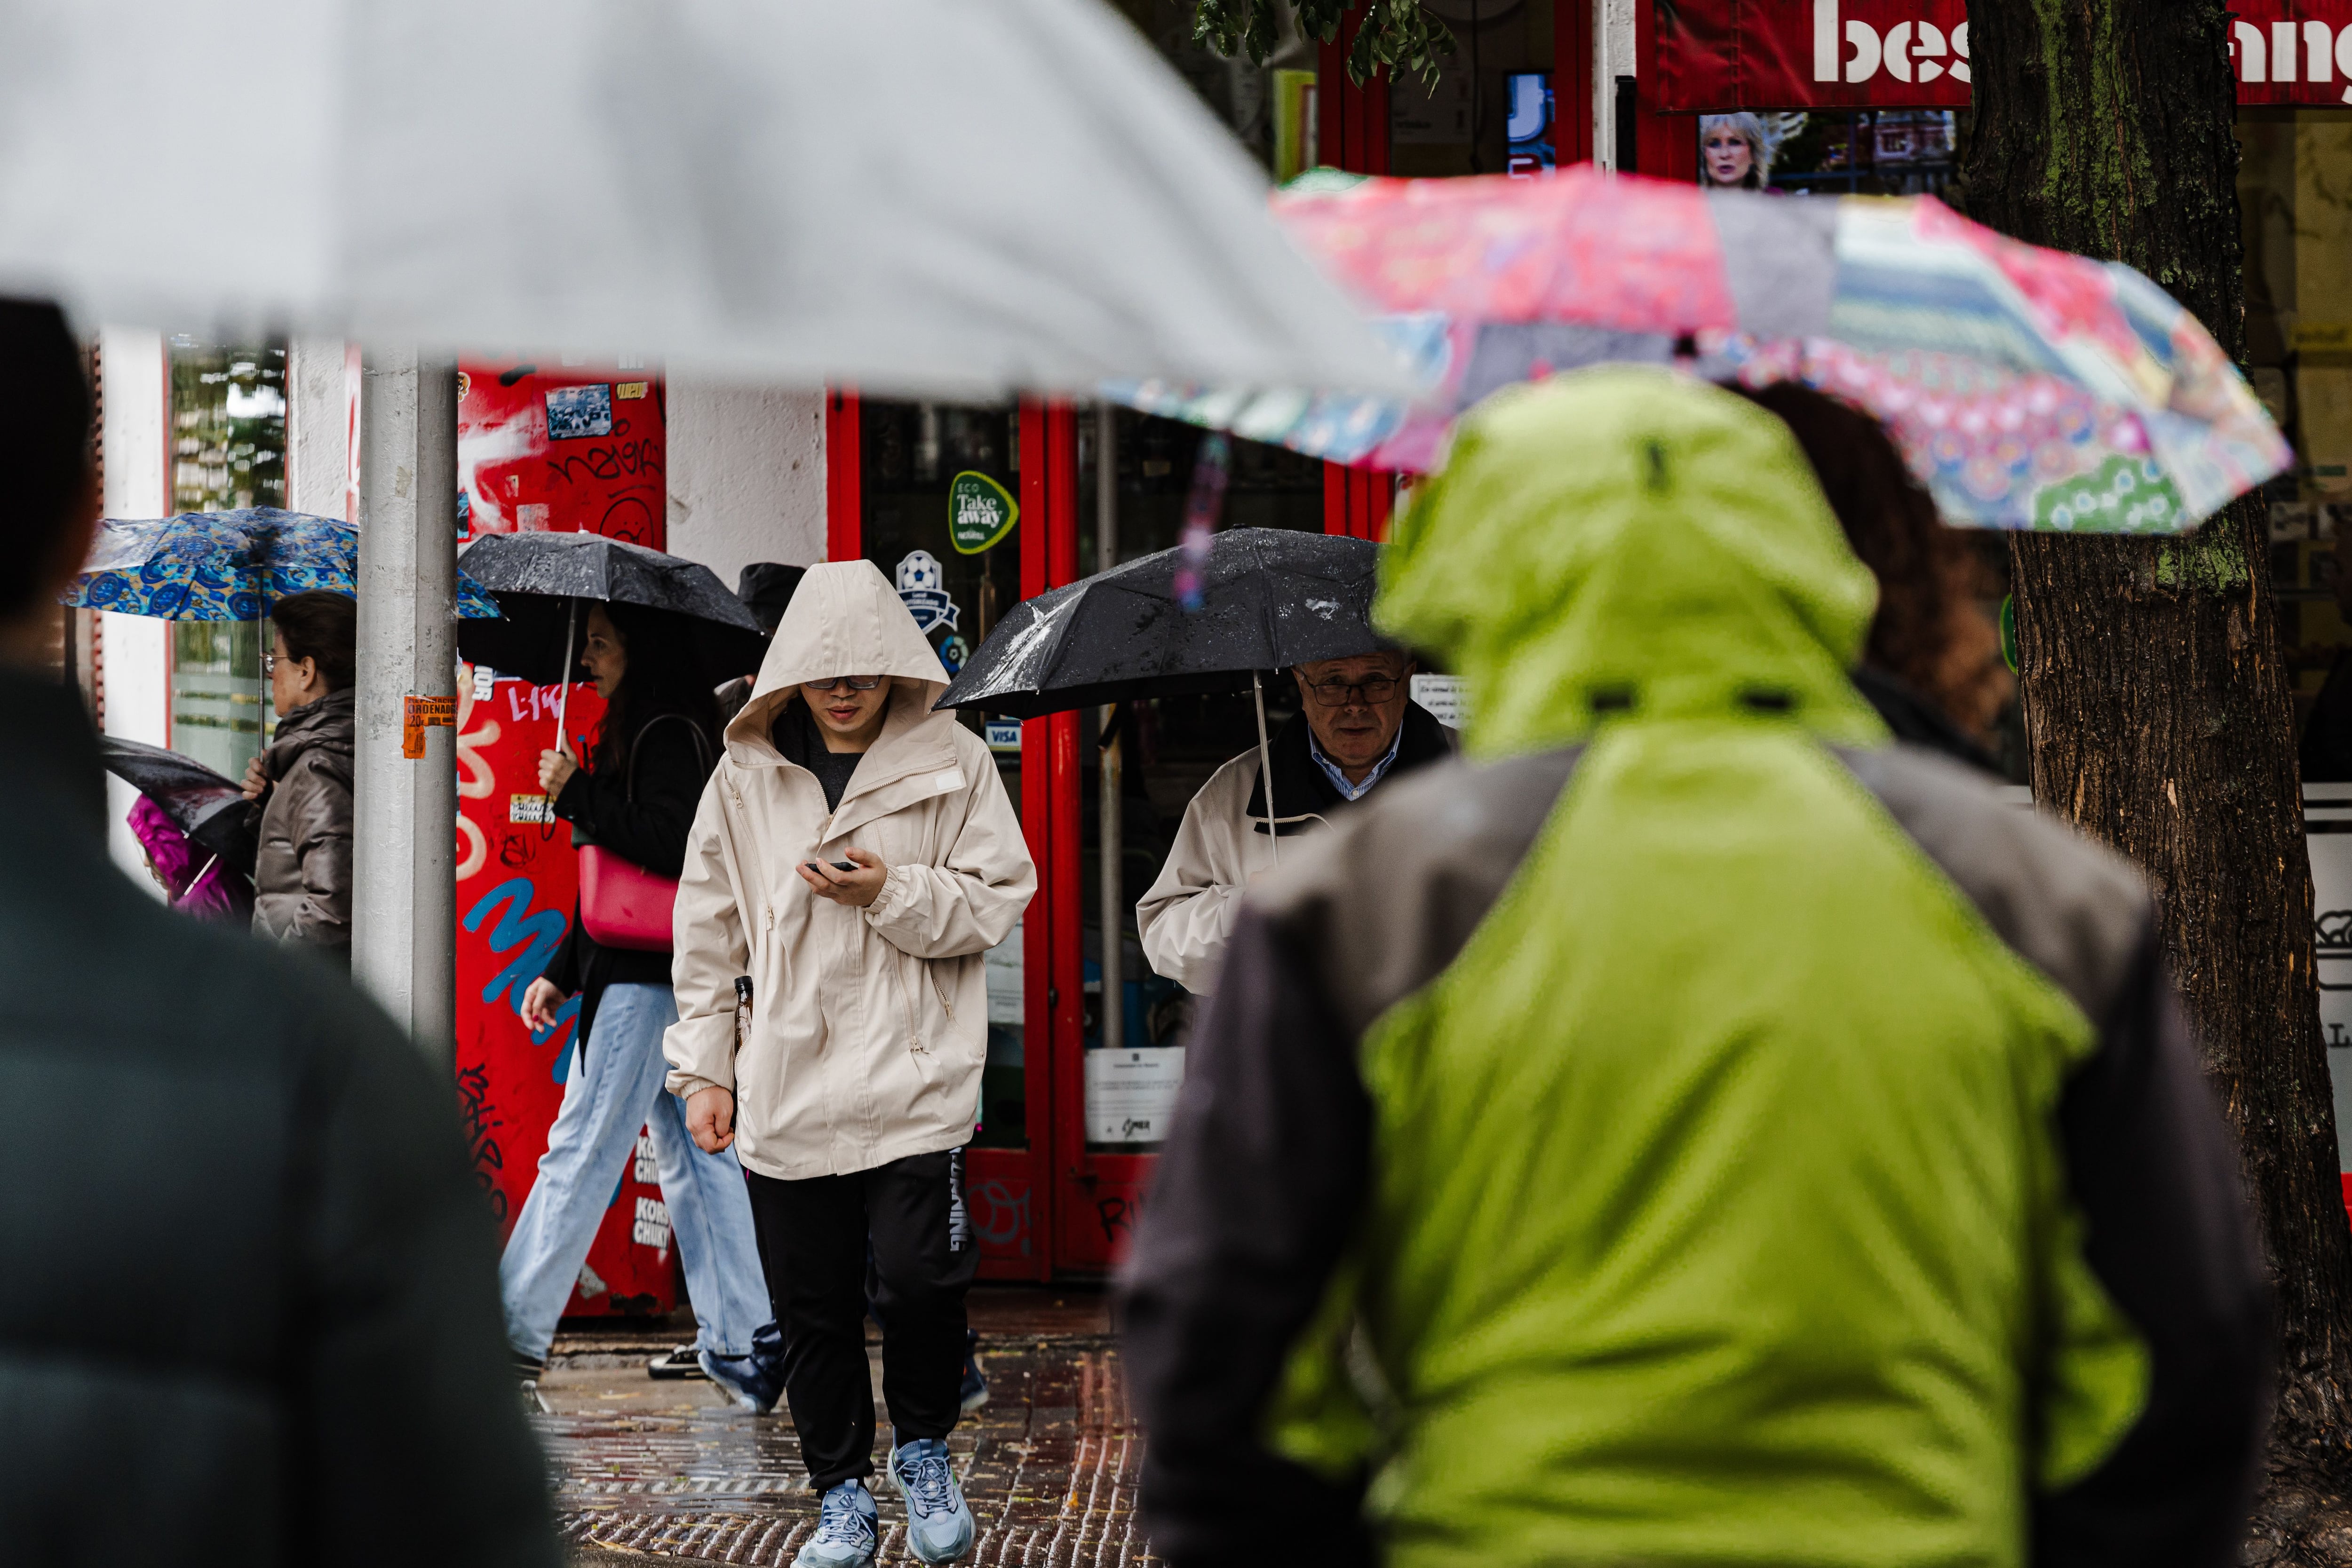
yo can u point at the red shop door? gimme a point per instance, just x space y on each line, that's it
890 468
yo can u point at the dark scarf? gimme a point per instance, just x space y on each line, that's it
1303 791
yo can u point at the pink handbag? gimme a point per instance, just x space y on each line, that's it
622 904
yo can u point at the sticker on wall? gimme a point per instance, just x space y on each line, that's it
922 584
981 512
574 413
628 391
1003 735
1132 1095
953 651
1444 698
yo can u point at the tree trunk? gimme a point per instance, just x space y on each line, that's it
2156 699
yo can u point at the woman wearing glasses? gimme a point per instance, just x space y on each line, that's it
635 799
853 859
1356 728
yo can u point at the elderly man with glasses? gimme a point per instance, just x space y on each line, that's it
1357 728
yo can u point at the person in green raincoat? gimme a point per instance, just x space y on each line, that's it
1693 1130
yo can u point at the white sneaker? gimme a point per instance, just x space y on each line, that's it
938 1524
846 1530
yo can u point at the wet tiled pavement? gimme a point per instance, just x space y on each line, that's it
1049 1463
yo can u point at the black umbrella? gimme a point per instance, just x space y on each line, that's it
201 803
1270 598
540 579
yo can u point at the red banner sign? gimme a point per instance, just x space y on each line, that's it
1720 56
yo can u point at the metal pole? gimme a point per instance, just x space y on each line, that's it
1112 833
403 904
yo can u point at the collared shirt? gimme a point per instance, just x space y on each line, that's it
1339 780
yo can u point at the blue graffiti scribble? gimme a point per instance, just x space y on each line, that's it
538 934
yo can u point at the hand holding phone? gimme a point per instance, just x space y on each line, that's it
856 881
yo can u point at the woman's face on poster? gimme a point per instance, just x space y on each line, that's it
1728 157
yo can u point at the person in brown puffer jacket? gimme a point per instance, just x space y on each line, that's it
302 876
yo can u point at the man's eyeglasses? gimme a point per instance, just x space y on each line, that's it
854 682
269 663
1334 693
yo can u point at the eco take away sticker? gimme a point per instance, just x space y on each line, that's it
981 512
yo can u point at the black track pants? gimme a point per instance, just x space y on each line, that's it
814 1241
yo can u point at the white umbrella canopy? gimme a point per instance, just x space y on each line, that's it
944 197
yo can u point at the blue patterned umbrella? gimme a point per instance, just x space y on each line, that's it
227 566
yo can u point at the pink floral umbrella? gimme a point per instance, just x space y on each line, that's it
2029 388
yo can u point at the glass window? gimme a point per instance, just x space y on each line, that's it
1489 112
1877 152
228 451
1168 748
2294 195
938 481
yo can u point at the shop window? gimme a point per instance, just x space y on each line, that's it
940 484
2294 195
1268 107
1489 110
1879 153
1170 746
227 452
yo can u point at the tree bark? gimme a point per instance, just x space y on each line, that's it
2156 699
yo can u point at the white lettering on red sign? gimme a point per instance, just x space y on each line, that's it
1908 51
2325 54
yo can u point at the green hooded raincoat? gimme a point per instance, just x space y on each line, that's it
1713 1205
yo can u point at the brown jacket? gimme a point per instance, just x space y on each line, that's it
302 875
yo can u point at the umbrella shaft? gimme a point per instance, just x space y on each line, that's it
1265 766
563 695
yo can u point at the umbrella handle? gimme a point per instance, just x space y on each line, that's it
1265 766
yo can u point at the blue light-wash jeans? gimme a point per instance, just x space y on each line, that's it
613 1090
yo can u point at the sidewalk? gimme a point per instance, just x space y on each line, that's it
1049 1464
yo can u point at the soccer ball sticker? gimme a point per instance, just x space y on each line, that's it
922 587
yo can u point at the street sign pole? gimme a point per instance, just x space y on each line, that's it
403 949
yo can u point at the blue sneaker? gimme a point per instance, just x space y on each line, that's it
974 1392
846 1530
755 1380
939 1525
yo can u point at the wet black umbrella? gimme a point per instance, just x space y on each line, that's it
201 803
1270 598
541 580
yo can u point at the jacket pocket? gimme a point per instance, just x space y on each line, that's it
912 1029
943 987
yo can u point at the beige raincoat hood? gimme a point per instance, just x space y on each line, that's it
869 1025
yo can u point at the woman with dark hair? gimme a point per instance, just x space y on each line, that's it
1932 667
303 874
635 799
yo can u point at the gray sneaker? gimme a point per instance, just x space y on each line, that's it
938 1524
846 1531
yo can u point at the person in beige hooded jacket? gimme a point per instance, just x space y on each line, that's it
853 857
